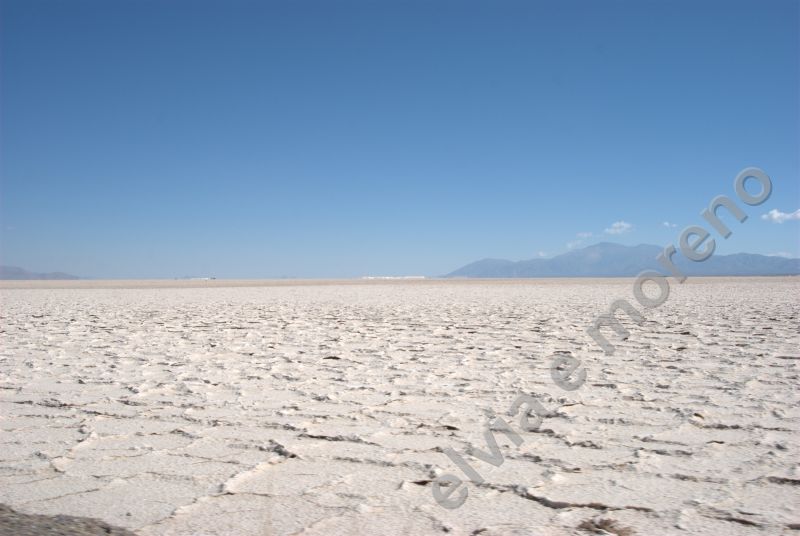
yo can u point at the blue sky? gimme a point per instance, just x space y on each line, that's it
338 139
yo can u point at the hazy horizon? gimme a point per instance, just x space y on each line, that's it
718 268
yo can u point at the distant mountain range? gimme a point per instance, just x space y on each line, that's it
14 272
615 260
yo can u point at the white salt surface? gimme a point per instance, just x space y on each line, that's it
236 408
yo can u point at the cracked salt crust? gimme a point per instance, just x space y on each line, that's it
323 409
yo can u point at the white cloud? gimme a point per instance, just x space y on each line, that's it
783 254
669 225
581 238
619 227
776 216
541 254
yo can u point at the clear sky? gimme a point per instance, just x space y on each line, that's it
336 139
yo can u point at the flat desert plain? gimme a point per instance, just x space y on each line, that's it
324 408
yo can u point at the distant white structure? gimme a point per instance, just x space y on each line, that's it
393 277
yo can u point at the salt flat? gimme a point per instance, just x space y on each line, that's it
239 408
